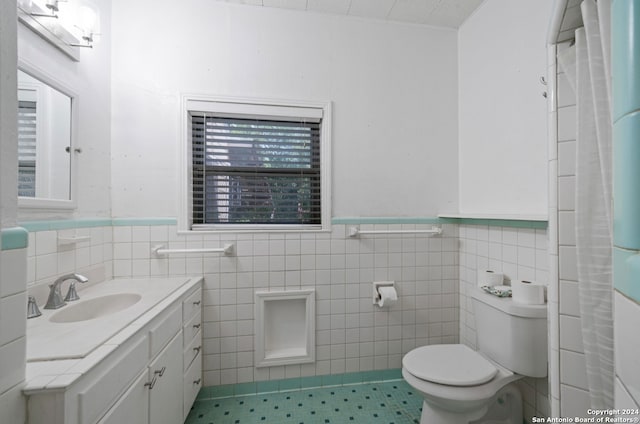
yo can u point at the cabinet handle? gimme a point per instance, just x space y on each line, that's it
196 381
196 325
160 372
197 349
151 383
197 302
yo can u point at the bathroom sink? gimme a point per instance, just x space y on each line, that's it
96 308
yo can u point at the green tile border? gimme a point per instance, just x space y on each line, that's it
34 226
626 272
14 238
385 220
133 222
66 224
513 223
299 383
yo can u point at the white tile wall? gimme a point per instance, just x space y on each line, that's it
573 401
13 310
12 266
569 294
351 334
627 345
48 259
573 369
571 334
553 292
572 372
13 406
520 254
567 123
623 400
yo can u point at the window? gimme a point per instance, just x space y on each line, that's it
27 148
256 165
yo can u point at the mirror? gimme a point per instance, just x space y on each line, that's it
44 144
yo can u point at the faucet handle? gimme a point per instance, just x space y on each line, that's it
32 308
72 294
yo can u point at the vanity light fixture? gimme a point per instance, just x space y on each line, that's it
67 24
52 5
86 23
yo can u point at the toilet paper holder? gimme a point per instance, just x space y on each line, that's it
376 290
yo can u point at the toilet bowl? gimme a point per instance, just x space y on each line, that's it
460 385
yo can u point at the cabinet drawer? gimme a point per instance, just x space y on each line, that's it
192 305
191 329
164 330
192 384
98 397
192 350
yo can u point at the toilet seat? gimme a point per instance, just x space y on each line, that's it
452 365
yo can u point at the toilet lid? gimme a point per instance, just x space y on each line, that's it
453 365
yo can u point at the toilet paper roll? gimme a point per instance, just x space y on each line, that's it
490 278
527 293
387 295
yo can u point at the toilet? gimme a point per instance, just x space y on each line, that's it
460 385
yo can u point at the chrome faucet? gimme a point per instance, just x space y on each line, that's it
55 300
32 308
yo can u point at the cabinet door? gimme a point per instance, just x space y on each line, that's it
192 384
132 407
165 398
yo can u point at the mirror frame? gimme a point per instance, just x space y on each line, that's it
41 204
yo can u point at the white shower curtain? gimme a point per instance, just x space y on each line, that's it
591 69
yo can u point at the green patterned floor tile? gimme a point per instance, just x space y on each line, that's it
391 402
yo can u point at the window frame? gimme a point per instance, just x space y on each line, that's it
248 107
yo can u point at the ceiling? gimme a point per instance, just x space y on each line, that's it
571 20
443 13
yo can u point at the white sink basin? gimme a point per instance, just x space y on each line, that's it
95 308
105 309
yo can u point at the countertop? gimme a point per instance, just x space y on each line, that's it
60 353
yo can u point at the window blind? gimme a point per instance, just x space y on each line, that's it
255 171
27 148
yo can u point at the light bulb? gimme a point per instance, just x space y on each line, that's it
87 19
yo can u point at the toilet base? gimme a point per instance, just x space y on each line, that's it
434 415
504 408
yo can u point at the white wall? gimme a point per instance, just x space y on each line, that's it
90 80
8 117
394 88
12 275
502 115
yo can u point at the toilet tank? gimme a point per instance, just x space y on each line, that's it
512 334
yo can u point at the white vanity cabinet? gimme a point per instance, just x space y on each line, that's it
151 373
165 396
154 397
192 353
132 406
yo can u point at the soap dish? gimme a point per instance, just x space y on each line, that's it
500 291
